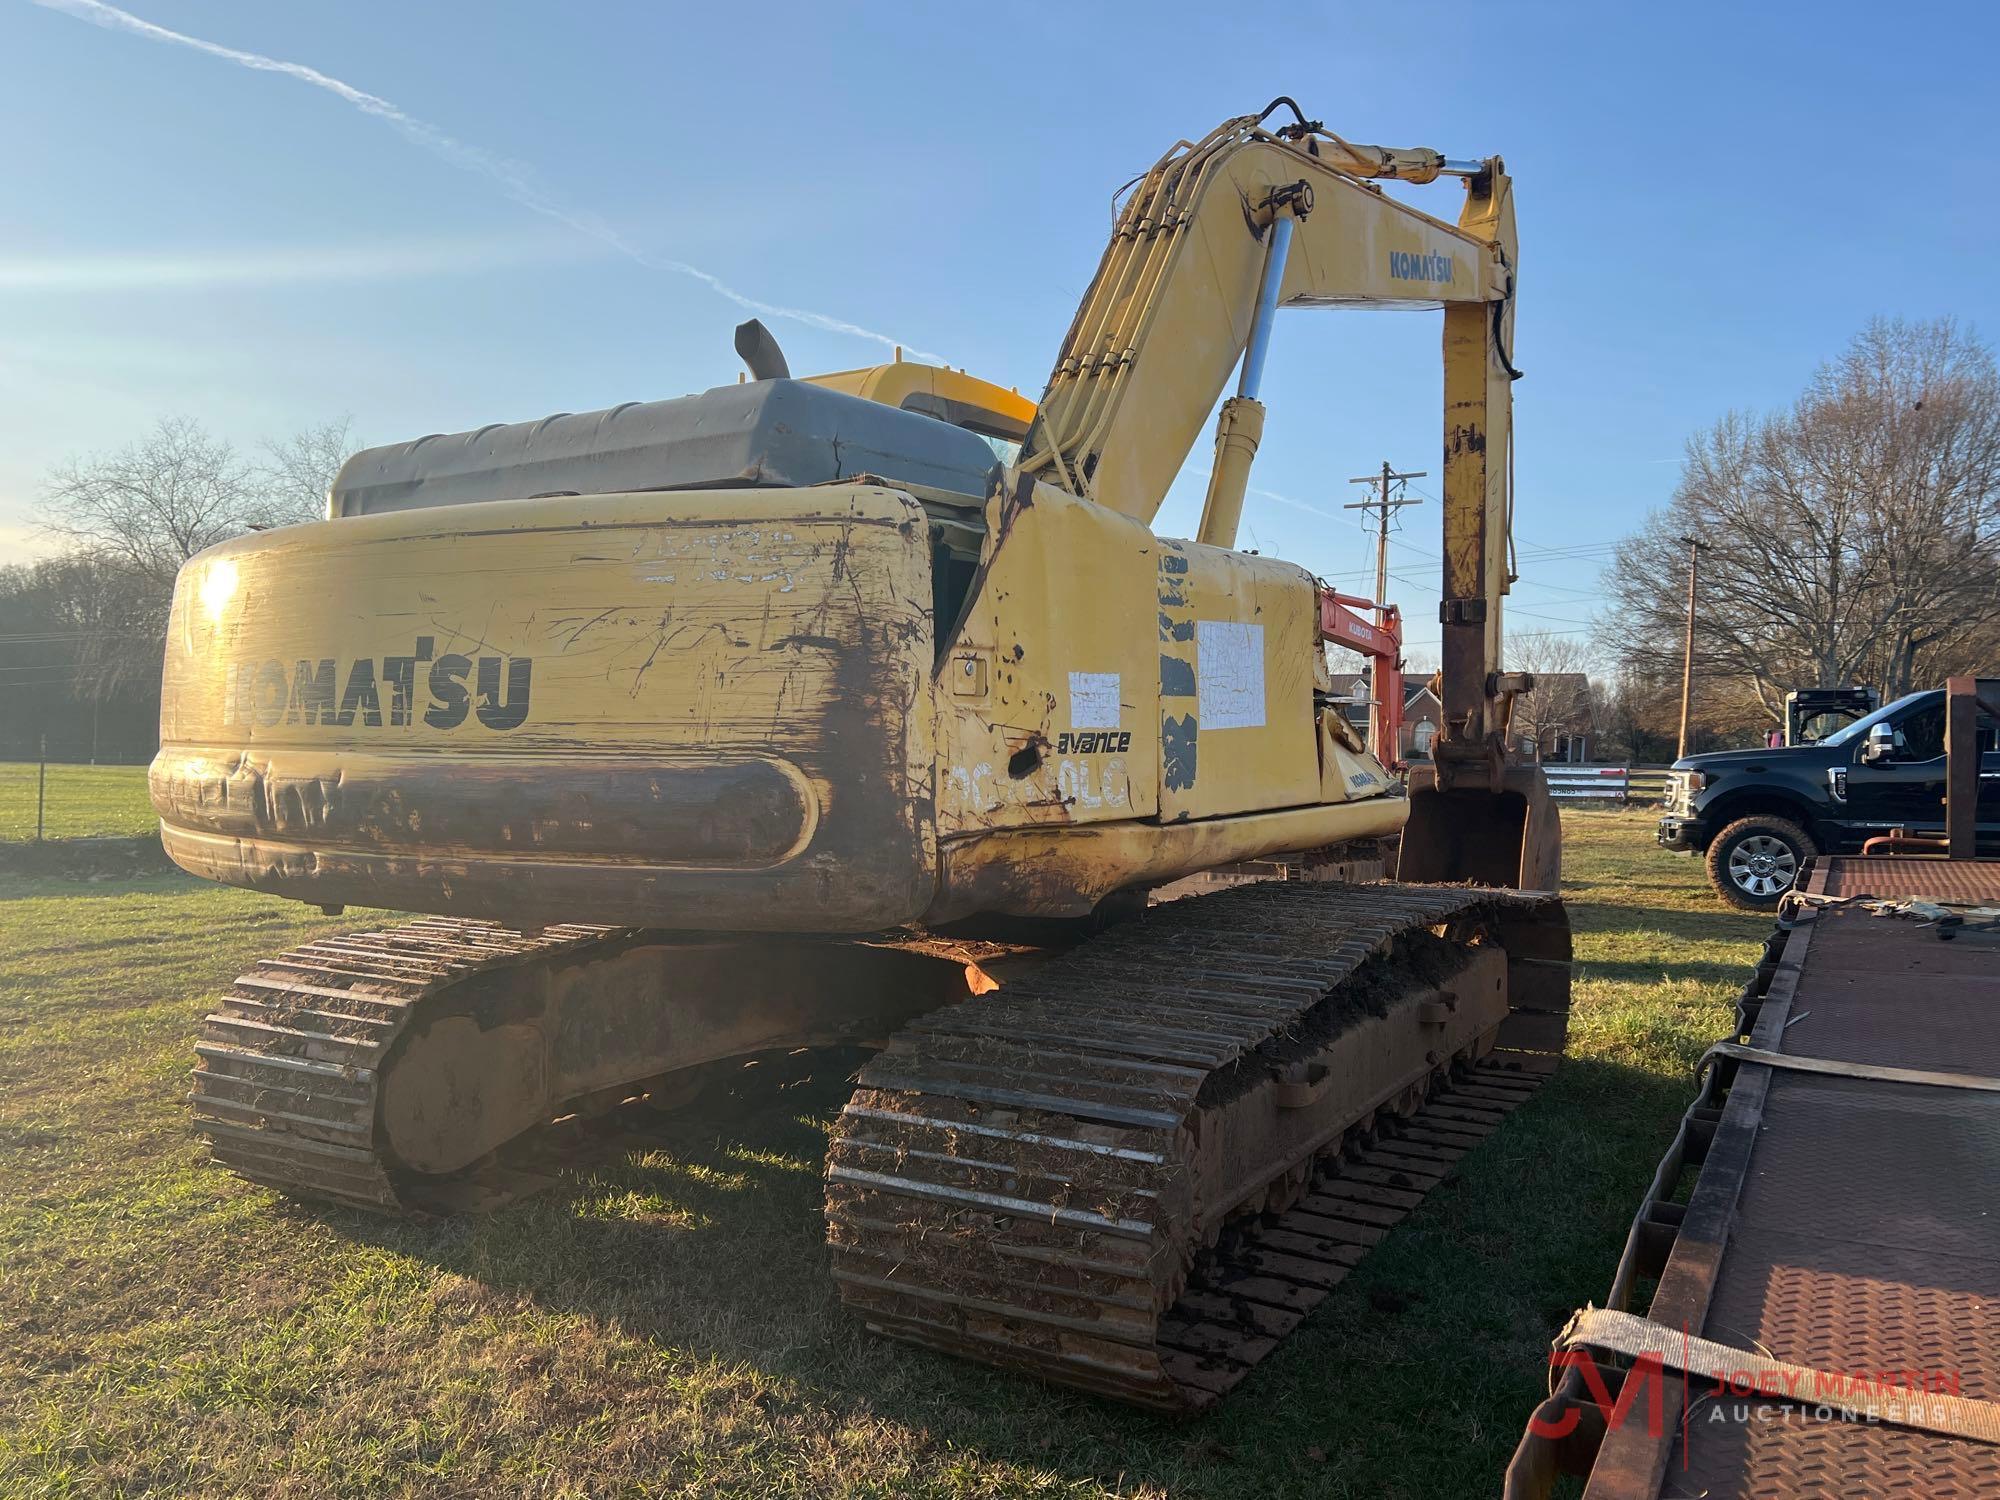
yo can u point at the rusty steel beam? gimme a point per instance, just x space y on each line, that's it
1963 697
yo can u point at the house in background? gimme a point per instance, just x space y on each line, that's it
1557 725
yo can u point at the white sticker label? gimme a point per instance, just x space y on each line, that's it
1093 700
1229 674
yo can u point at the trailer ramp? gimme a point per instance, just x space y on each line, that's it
1819 1312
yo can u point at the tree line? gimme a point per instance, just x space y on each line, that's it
1852 539
81 631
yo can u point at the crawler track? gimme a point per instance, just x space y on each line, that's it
1032 1179
287 1082
1057 1177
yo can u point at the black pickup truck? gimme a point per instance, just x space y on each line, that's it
1758 814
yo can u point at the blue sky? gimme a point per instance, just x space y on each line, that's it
1711 199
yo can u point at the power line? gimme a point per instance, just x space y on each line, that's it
1527 546
1382 507
1538 614
1580 596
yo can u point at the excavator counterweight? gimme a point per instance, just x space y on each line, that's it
868 709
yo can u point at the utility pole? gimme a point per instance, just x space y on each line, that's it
1695 548
1384 505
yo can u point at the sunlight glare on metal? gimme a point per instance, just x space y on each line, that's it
218 588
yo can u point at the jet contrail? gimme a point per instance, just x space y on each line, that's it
511 177
277 265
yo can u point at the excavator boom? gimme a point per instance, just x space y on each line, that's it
1216 238
1174 306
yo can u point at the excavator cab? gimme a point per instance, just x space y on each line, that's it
951 396
1000 416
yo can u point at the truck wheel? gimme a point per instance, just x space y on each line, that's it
1753 861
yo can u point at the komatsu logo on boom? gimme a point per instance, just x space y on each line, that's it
372 693
1405 265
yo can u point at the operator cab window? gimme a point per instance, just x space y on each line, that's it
1005 449
1003 436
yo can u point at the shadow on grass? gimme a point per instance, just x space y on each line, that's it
85 859
19 887
708 1247
1673 921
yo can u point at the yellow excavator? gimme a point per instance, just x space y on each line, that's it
784 715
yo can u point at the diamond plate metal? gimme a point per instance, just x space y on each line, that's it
1864 1234
1947 879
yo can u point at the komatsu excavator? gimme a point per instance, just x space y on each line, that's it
709 727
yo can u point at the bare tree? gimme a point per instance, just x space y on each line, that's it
1560 703
134 516
298 471
1923 409
1634 718
1854 538
114 617
155 503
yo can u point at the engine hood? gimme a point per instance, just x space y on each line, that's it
1760 759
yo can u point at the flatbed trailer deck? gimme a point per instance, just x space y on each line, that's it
1841 1223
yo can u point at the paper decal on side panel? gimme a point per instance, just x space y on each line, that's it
1229 674
1093 700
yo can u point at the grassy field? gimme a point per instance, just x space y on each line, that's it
664 1324
83 802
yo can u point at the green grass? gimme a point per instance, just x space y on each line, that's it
664 1324
83 802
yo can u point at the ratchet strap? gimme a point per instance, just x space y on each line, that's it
1797 908
1837 1068
1742 1371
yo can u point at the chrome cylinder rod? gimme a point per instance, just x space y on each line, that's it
1267 306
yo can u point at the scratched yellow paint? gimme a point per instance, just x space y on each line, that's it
693 708
1240 734
681 622
1067 590
509 705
